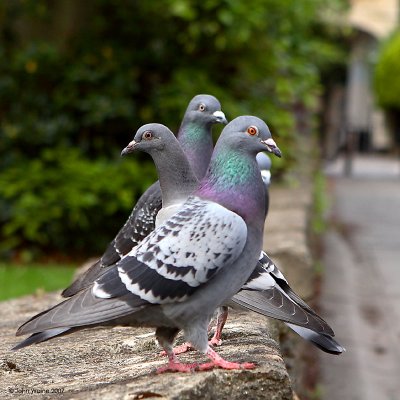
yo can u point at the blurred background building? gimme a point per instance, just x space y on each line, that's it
354 120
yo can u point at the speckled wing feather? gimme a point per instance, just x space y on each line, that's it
139 224
180 255
269 266
263 293
169 265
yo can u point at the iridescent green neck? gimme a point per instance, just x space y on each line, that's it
196 142
232 169
234 181
192 133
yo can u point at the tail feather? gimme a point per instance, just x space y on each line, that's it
80 310
273 303
40 337
266 267
295 297
324 342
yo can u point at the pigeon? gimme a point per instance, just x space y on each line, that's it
189 265
177 182
195 138
264 163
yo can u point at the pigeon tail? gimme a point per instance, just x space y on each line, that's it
40 337
323 342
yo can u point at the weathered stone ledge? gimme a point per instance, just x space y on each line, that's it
119 363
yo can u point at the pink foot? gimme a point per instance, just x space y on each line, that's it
218 361
215 341
183 348
175 366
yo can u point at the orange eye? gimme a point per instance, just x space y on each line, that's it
252 130
202 107
147 135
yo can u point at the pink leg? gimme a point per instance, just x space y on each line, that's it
218 361
165 337
215 340
221 319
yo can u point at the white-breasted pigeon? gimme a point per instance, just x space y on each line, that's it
267 291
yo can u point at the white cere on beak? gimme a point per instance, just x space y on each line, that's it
220 116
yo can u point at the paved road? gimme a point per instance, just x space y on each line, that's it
361 287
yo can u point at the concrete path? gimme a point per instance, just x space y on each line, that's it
361 286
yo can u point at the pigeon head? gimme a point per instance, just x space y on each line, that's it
249 134
177 179
149 138
204 110
233 178
195 132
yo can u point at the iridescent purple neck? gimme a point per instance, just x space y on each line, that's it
234 181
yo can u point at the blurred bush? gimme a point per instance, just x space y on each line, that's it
77 78
51 199
387 71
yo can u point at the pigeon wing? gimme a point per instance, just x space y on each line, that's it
168 266
139 224
263 293
180 255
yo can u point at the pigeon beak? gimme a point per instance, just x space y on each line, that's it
272 147
128 149
220 117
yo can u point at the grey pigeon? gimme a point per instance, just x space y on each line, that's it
267 291
195 138
264 163
189 265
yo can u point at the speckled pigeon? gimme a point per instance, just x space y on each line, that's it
195 138
189 265
276 300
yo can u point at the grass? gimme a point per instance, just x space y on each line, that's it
17 280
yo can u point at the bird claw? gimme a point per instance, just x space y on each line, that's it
215 342
224 365
183 348
177 367
218 361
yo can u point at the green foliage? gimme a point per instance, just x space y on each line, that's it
76 78
60 200
16 280
387 71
